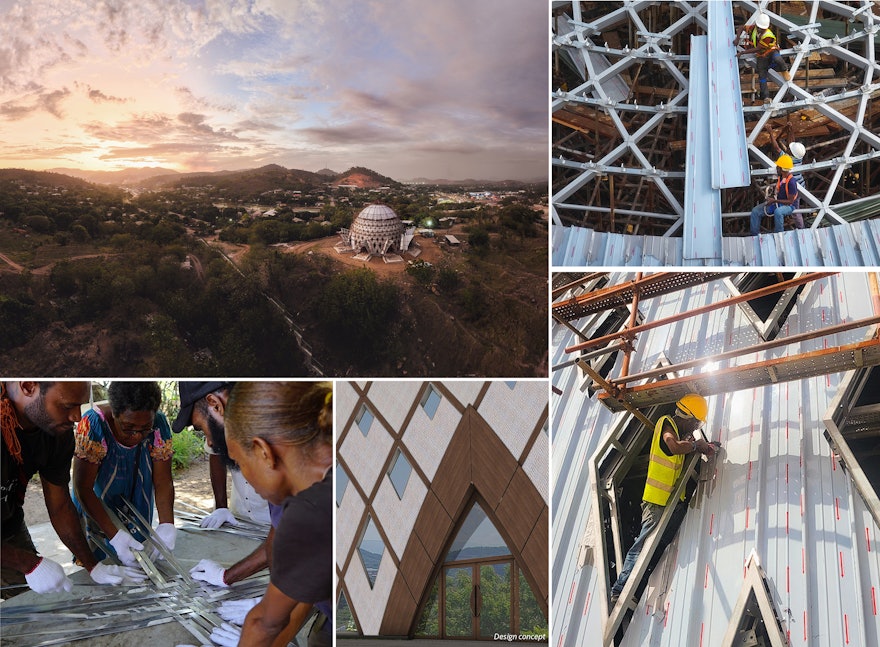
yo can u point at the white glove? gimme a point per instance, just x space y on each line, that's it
48 577
111 574
218 518
210 572
124 545
168 534
236 610
226 635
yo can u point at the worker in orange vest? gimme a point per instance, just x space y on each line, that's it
786 201
766 49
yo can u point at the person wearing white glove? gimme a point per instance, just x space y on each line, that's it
167 533
209 571
226 635
218 518
123 452
125 545
114 575
281 435
36 421
48 577
236 611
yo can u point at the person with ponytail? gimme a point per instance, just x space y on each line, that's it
281 435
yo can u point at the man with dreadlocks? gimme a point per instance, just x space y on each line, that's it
36 420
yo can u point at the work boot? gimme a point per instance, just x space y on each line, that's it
614 598
786 75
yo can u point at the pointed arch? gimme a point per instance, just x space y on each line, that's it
477 465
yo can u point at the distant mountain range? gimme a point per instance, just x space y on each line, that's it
264 178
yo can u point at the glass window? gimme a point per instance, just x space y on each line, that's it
341 483
477 537
511 385
430 401
364 419
399 473
531 619
371 549
344 619
429 623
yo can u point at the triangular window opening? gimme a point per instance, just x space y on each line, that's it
478 537
768 313
755 620
852 425
371 548
345 623
480 591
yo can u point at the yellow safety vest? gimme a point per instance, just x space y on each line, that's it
767 42
663 470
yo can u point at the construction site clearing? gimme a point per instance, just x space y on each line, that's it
662 145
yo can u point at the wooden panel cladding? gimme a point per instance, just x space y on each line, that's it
492 464
535 555
520 495
476 463
400 609
415 566
432 525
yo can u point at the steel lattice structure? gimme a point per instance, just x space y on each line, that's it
622 89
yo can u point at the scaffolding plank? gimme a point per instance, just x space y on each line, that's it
784 369
702 202
617 296
730 156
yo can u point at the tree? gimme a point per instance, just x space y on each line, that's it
422 271
359 309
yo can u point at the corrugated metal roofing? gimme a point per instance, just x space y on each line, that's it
778 490
854 244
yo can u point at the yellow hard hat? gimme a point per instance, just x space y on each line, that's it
693 405
785 162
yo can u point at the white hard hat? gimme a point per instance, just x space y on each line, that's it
797 150
763 21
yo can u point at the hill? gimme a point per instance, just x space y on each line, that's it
363 178
127 176
43 178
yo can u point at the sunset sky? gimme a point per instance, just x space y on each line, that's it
442 88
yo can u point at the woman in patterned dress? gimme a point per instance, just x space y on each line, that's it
123 452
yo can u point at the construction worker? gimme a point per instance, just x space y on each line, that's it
786 201
766 49
672 440
796 151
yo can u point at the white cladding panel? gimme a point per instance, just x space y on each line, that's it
777 489
514 412
397 517
365 455
394 400
428 439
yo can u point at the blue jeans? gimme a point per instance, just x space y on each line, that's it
781 211
651 513
764 63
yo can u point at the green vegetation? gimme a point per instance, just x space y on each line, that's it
188 447
115 284
359 309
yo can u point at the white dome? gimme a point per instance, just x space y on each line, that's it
376 229
377 212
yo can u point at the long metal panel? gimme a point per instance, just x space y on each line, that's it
730 153
702 202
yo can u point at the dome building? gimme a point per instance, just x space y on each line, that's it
377 230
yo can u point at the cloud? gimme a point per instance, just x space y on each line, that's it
352 134
34 102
